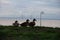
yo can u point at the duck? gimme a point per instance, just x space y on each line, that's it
32 23
25 23
16 23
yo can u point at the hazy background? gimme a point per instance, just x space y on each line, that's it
30 8
11 10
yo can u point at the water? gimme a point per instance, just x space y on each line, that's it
48 23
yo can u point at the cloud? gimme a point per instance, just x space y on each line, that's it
28 7
5 1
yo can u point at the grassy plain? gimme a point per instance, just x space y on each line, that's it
29 33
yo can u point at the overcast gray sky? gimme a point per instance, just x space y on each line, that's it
16 8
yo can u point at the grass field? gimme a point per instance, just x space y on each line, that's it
29 33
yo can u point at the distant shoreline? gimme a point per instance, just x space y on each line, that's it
24 19
19 18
